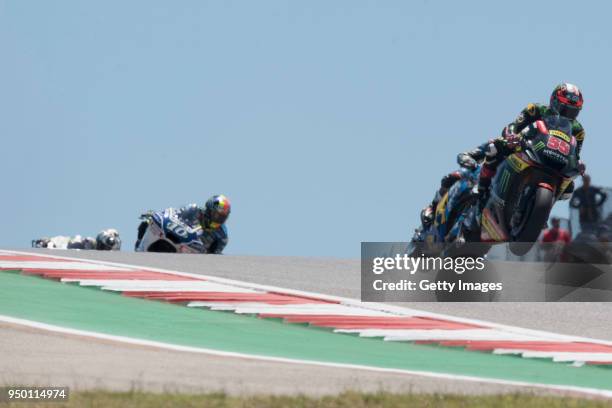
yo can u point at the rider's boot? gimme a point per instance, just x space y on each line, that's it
471 224
428 213
427 217
470 227
141 231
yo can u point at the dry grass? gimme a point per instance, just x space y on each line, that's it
104 399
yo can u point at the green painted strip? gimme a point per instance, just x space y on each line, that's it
80 308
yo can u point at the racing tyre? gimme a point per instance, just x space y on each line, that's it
161 246
527 233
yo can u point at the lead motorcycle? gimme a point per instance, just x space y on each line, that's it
525 188
165 232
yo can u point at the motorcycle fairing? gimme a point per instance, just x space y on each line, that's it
166 226
491 230
449 213
541 163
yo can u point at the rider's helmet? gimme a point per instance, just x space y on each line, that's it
215 213
566 100
108 240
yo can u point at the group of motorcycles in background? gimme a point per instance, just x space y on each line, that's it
523 191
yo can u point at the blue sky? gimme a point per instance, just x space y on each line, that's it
327 123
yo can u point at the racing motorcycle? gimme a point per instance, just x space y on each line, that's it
528 183
449 215
522 193
165 232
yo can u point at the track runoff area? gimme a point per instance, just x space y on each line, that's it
204 314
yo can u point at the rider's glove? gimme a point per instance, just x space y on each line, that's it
507 144
512 142
147 214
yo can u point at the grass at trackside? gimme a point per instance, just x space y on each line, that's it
345 400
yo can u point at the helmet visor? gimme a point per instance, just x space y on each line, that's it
569 111
218 217
213 219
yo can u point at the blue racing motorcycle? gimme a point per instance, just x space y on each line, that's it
449 217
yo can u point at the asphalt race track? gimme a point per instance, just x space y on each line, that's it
36 357
341 277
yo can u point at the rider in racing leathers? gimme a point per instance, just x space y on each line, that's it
65 242
566 100
209 221
106 240
469 160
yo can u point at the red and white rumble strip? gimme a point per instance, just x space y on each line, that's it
341 315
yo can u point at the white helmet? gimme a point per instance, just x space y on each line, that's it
108 240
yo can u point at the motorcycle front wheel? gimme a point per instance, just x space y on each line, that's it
527 232
161 246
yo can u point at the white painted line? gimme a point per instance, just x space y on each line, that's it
593 357
442 335
313 309
59 265
559 356
176 347
301 309
160 286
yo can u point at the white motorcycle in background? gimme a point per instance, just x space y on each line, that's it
167 233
